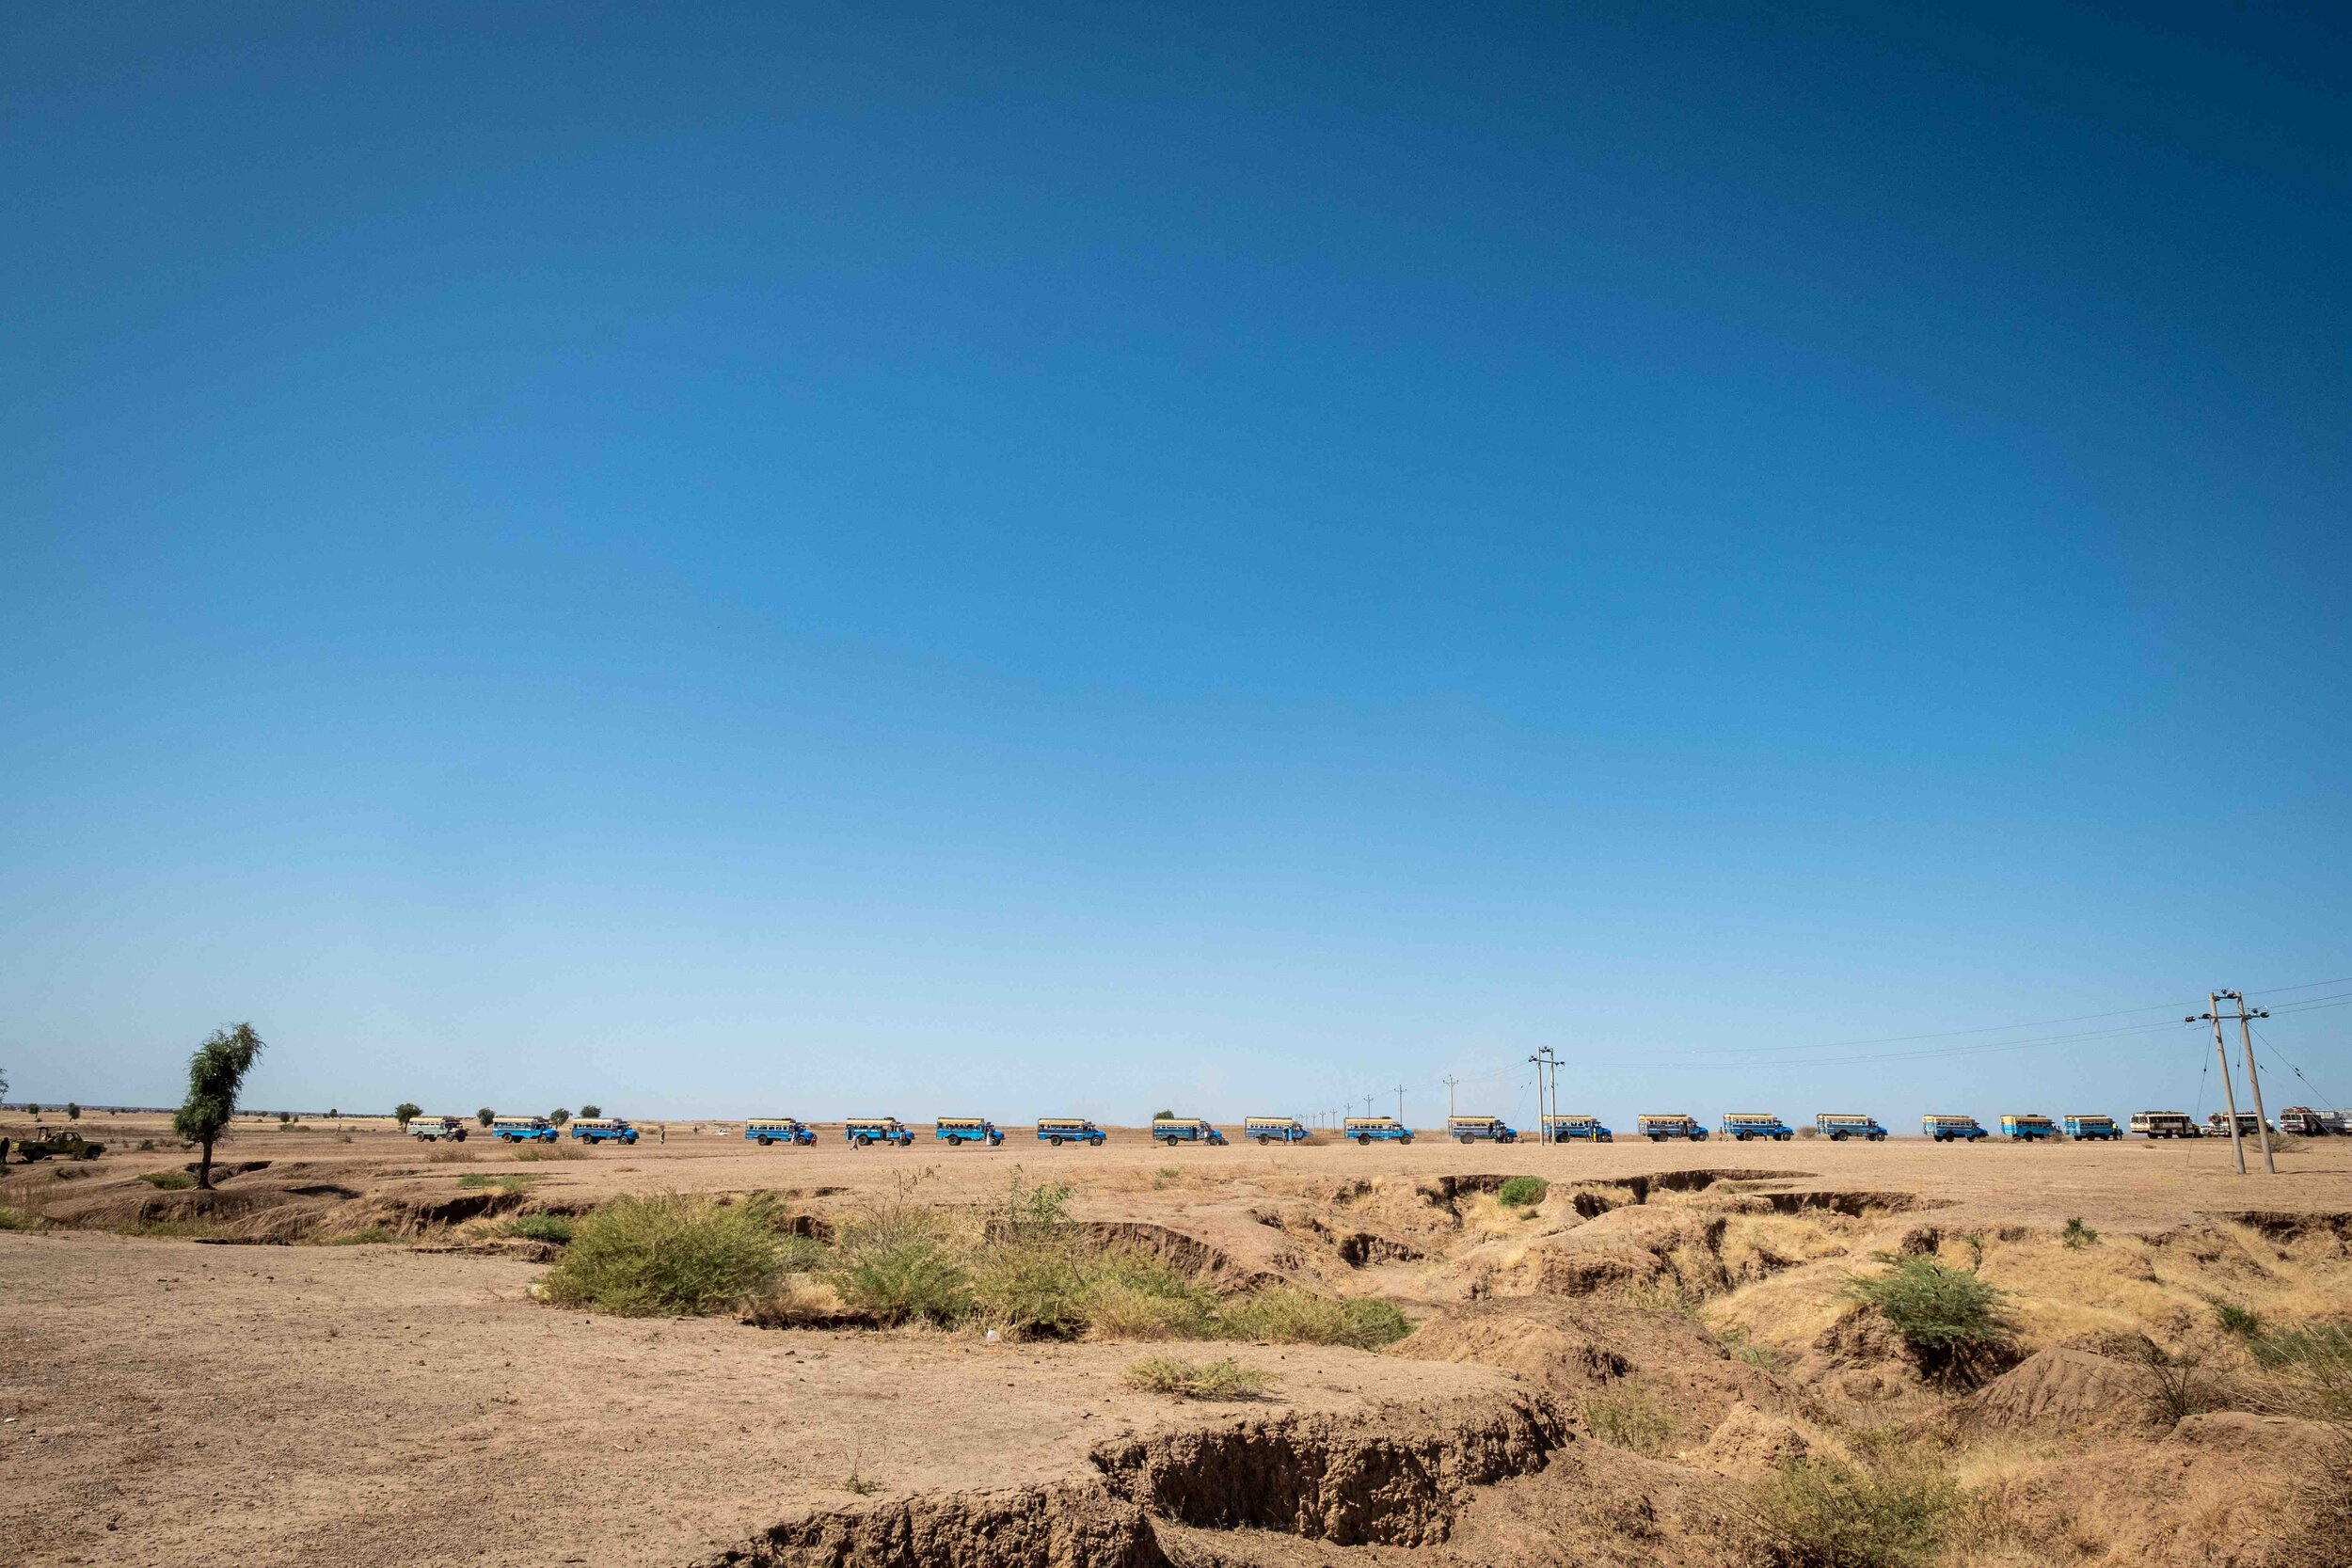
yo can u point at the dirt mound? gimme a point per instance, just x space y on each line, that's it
1748 1442
2061 1390
1860 1357
1070 1525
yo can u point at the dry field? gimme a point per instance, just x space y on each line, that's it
1607 1375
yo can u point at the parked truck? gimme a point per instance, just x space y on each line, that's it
955 1132
603 1130
1364 1130
523 1130
2249 1124
1274 1130
2166 1124
1951 1129
1744 1125
1171 1131
2028 1128
2091 1129
2314 1124
1837 1126
1059 1130
433 1130
865 1131
1588 1128
767 1131
1467 1130
1658 1128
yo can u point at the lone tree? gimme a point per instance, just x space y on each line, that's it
485 1116
406 1112
216 1074
558 1117
72 1112
592 1111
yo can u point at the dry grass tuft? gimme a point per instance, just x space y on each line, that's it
1221 1379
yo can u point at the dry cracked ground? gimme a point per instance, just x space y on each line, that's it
1606 1376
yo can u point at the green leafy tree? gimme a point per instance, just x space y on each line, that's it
406 1112
216 1074
559 1115
592 1111
1163 1116
334 1115
72 1112
485 1116
34 1106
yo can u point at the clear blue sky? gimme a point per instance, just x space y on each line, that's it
726 558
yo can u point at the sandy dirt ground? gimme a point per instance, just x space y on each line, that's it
168 1402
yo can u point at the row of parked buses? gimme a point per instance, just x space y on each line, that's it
1743 1126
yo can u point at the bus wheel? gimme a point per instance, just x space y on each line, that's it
1363 1140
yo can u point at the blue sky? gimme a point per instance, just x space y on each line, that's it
742 559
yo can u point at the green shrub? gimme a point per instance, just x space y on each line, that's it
1281 1314
1523 1192
1627 1418
1949 1317
1820 1513
510 1183
1130 1295
541 1227
1225 1379
1031 1287
2242 1322
17 1219
901 1261
168 1181
669 1252
2078 1234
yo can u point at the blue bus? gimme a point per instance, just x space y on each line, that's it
1837 1126
1365 1129
1743 1125
1059 1130
769 1130
1946 1129
2093 1129
1476 1128
523 1130
863 1132
1172 1131
603 1130
1274 1130
958 1131
1589 1128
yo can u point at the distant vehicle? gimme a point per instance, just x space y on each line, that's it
2166 1124
769 1130
1659 1128
1587 1128
1744 1125
431 1130
1172 1131
48 1143
1476 1128
2314 1124
2217 1124
2093 1129
1059 1130
958 1131
865 1132
1274 1130
1945 1129
603 1130
2028 1128
1386 1129
1837 1126
523 1130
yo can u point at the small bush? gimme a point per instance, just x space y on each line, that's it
2174 1387
1223 1379
1627 1418
2311 1370
507 1183
1281 1314
1130 1295
541 1227
901 1262
673 1253
2078 1234
1820 1513
537 1153
2242 1322
168 1181
1031 1287
1949 1318
1740 1348
1808 1132
1523 1192
17 1219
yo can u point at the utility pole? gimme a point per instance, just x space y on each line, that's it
1368 1098
1547 1065
1449 1081
2253 1076
1400 1104
2221 1053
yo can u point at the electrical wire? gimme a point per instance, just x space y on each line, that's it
2278 1056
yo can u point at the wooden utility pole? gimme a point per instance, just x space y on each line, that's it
2253 1076
1449 1081
1400 1104
1547 1092
2222 1054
